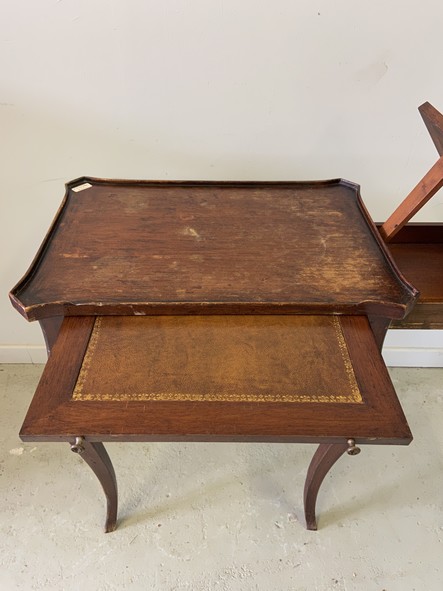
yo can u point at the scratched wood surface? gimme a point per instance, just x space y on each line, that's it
122 247
285 378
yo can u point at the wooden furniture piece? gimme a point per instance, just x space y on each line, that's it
418 248
280 378
146 247
221 311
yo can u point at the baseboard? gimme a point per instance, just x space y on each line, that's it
414 348
398 351
23 354
410 357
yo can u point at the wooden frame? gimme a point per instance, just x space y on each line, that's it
418 248
429 184
365 409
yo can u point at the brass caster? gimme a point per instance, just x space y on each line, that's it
352 450
78 447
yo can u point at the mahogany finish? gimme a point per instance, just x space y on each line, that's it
418 248
216 378
419 196
128 247
323 460
214 312
418 251
289 378
122 256
433 120
50 329
96 456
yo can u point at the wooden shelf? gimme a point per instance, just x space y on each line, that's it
418 252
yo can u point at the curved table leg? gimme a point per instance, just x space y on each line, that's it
323 460
96 456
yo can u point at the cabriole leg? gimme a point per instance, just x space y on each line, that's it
323 460
96 456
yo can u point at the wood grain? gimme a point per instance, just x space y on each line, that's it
417 198
429 184
376 418
433 120
418 252
125 248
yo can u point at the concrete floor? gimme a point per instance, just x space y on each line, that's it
206 517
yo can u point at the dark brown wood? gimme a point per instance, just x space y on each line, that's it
96 456
127 247
379 326
418 248
159 399
61 370
50 329
291 266
418 233
434 122
418 252
423 264
426 316
215 378
372 377
323 460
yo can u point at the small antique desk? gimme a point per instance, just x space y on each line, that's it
209 311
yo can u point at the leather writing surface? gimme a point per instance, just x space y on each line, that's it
216 378
217 358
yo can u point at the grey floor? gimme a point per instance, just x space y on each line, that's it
223 517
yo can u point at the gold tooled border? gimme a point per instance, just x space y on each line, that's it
355 390
87 360
354 397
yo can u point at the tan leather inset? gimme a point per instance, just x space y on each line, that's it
217 358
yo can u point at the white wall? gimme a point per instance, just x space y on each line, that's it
205 89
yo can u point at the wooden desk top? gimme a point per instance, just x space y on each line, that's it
142 247
216 378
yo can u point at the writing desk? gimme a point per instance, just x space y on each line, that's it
214 312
